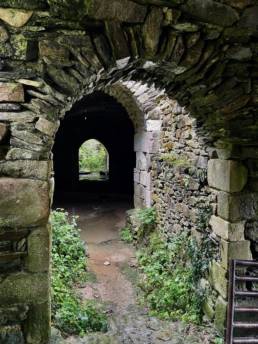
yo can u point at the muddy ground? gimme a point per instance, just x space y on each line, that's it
112 266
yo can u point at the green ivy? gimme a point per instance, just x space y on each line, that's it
171 272
147 216
126 235
70 314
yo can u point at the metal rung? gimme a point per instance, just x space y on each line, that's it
245 325
246 309
246 278
246 293
246 263
245 340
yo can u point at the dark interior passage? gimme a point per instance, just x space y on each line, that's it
99 117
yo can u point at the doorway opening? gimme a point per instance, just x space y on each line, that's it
93 161
94 154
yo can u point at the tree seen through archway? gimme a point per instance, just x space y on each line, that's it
93 161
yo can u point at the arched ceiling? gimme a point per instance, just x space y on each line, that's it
204 53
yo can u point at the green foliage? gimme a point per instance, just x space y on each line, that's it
126 235
92 157
70 314
67 248
76 318
147 216
219 340
171 272
147 220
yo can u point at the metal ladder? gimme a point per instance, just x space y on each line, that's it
242 319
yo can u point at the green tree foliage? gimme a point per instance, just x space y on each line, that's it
92 157
70 314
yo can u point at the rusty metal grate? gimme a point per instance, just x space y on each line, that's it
242 320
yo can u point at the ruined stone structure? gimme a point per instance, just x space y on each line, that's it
186 74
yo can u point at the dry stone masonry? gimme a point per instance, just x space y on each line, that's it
185 71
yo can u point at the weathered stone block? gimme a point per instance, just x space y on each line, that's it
218 279
239 3
117 39
136 176
53 53
209 307
11 92
23 202
249 18
226 230
27 136
38 246
221 315
22 154
3 131
25 288
227 175
38 325
148 198
143 161
228 206
211 11
145 179
235 207
26 169
138 202
15 17
47 127
234 250
125 11
147 142
152 30
24 117
153 125
239 53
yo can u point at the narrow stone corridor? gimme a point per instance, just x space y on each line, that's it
113 266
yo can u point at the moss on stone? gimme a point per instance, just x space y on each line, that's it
174 160
24 4
70 9
37 326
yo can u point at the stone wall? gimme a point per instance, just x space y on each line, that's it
200 54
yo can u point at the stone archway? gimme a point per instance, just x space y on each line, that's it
201 57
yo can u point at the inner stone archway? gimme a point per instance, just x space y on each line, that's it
101 117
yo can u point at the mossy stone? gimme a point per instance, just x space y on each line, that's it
221 315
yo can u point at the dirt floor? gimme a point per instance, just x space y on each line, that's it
112 265
100 227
